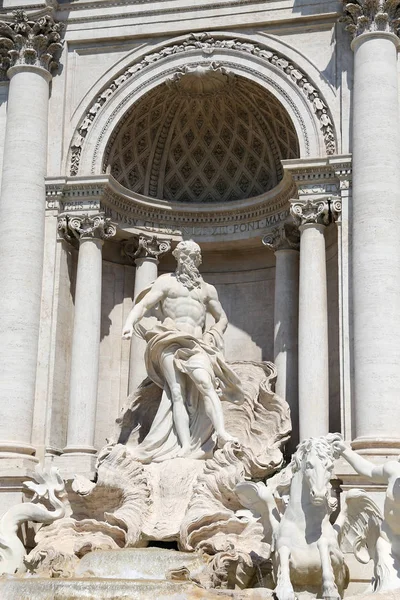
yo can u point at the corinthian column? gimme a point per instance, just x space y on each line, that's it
284 241
375 257
29 51
313 216
145 253
90 232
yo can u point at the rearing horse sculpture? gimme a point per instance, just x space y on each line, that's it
304 544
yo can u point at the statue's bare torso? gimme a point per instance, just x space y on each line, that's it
186 308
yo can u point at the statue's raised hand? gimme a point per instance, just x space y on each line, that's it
127 332
337 442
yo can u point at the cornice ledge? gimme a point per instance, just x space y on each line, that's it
320 176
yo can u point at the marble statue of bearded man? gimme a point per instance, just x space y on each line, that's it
185 360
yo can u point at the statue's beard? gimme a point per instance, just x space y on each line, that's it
188 274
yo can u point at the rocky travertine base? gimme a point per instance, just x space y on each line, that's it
117 589
389 595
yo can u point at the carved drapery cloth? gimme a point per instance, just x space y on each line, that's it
161 441
26 41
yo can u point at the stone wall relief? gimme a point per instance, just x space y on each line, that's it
208 44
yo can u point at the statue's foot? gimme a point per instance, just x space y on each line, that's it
330 592
224 437
284 591
184 452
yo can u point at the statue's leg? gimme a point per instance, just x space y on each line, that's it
212 404
176 383
284 588
329 587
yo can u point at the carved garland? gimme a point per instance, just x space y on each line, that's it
208 45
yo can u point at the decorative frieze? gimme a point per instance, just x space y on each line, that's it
145 247
27 41
311 211
364 16
284 237
85 226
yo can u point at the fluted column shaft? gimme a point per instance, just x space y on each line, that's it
22 212
375 257
375 250
91 232
145 253
313 320
284 242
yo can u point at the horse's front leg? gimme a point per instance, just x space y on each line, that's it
329 587
284 589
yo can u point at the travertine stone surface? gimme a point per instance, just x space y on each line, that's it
91 232
285 244
313 216
145 253
24 169
375 254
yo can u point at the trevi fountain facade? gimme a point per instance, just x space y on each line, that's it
199 299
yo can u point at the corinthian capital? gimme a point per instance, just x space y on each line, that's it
85 226
361 16
145 247
26 41
310 211
284 237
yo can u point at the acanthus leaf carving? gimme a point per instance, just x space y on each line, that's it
26 41
361 16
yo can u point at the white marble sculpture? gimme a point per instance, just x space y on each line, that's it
374 536
185 359
187 436
295 508
49 485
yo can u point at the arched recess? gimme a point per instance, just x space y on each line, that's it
291 86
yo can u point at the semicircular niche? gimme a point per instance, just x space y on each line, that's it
204 136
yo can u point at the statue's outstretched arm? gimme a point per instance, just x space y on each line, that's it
364 466
138 311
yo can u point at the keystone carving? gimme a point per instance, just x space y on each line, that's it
85 226
361 16
145 247
284 237
311 211
26 41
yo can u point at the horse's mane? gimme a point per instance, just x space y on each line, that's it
324 448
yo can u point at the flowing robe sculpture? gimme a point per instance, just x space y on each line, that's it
185 360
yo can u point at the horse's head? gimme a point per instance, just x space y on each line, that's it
315 459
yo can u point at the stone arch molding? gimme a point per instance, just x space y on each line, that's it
298 95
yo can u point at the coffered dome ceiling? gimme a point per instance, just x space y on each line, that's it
205 136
